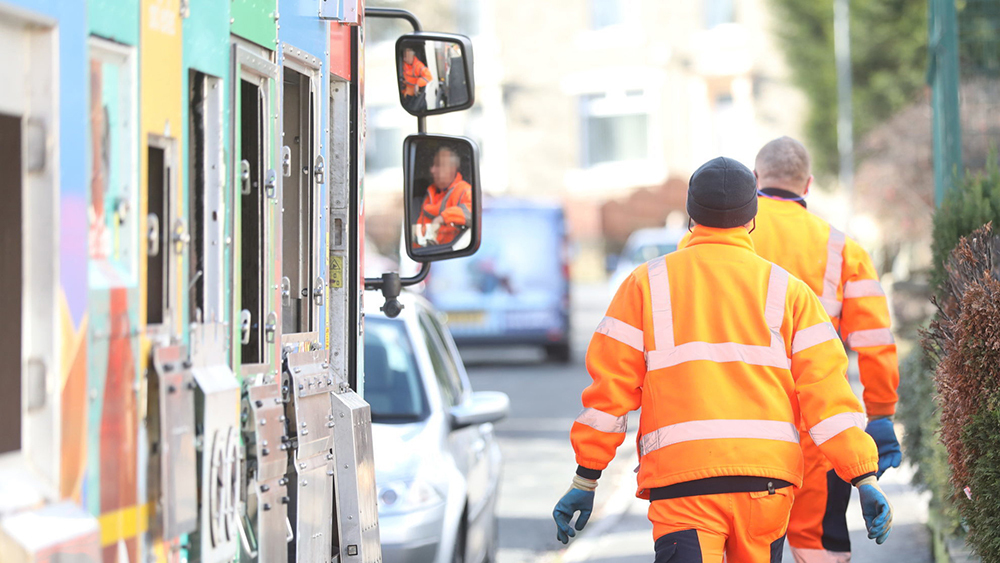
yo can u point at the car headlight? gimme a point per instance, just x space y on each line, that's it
407 496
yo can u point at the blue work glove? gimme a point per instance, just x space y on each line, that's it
884 433
576 499
876 509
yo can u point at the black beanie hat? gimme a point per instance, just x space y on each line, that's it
722 194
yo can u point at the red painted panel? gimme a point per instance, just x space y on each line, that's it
340 50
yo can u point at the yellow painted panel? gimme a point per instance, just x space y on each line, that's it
123 524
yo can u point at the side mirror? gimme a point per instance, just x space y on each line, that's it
482 407
434 72
443 199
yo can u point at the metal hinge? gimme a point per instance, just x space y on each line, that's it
270 327
271 185
245 320
245 177
153 234
179 237
286 162
318 291
286 292
319 169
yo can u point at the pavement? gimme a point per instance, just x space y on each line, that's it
539 465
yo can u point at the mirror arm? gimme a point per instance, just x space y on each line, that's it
391 285
398 13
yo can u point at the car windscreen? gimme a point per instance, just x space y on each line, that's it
647 252
393 386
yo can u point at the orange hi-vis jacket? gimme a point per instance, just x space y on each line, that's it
416 75
725 353
454 206
841 273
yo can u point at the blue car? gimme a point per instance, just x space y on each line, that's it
516 289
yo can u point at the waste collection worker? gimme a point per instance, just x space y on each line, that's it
446 209
841 273
416 75
726 354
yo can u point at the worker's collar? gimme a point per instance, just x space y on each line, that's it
739 237
454 184
782 195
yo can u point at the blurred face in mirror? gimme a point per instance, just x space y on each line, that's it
445 168
408 55
446 209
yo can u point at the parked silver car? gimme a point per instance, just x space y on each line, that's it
437 461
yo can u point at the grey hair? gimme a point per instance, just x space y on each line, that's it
455 159
783 159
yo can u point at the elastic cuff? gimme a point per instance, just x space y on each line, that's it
872 417
592 474
584 484
880 409
857 480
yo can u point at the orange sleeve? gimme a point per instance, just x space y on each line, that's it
617 364
827 406
460 213
425 75
865 327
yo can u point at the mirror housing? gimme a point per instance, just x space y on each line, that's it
480 408
441 84
442 197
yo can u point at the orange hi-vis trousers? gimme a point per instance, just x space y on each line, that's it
817 532
730 527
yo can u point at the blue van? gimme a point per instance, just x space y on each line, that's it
515 290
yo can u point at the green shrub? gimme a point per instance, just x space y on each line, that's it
974 202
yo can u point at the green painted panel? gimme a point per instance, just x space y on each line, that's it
117 20
256 20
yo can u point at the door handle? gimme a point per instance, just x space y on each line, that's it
245 320
245 177
153 234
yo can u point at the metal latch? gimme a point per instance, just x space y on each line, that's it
245 320
318 291
286 292
179 237
245 177
286 162
270 327
271 184
319 169
153 234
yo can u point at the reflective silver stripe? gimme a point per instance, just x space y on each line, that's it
718 430
659 297
771 356
830 427
622 332
774 307
870 337
816 334
602 421
834 269
803 555
831 306
863 288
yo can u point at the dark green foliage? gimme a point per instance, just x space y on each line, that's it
975 202
921 444
982 512
889 62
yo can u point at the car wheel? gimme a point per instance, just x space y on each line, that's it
559 353
458 556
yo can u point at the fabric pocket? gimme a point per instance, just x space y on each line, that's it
769 513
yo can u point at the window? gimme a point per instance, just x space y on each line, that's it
606 13
393 386
252 236
615 127
444 367
447 347
387 126
718 12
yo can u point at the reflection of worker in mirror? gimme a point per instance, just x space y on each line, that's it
416 76
446 210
